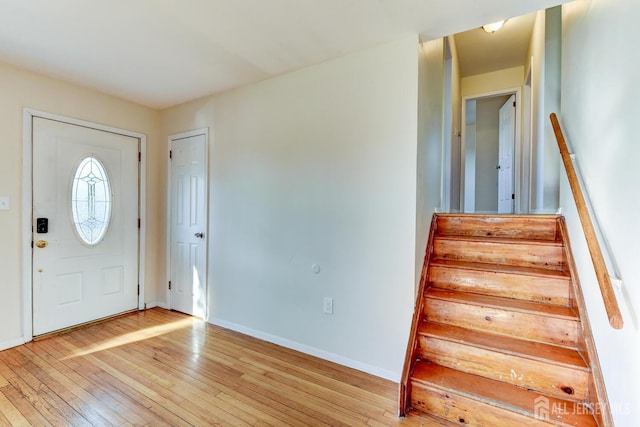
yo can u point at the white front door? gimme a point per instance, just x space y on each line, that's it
506 141
85 224
188 219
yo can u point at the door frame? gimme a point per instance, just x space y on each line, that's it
27 207
170 139
517 158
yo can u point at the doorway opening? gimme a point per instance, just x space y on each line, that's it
491 152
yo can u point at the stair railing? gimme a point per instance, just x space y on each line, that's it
602 274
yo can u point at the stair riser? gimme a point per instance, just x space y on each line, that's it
510 227
531 288
546 378
519 254
530 326
465 411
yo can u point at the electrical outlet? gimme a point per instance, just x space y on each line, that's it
328 305
5 204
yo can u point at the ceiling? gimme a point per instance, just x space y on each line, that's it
481 52
161 53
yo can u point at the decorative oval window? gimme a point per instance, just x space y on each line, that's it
91 201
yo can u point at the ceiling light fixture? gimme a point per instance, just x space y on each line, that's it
492 28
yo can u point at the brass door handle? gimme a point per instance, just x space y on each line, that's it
42 244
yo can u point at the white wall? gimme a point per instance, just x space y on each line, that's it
19 89
469 152
430 126
599 115
316 166
545 62
536 64
552 99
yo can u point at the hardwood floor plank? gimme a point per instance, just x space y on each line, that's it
101 401
10 414
61 386
42 397
159 367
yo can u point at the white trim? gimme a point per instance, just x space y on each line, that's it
27 224
170 139
142 214
544 212
27 207
12 343
303 348
155 304
517 91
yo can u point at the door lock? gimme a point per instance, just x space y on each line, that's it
42 225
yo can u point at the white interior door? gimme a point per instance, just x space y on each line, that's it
85 258
506 143
188 219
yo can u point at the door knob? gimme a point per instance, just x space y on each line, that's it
42 244
498 167
199 235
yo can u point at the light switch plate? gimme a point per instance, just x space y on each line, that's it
4 203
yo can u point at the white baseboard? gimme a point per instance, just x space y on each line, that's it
545 211
303 348
12 343
157 304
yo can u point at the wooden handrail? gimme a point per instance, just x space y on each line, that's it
606 288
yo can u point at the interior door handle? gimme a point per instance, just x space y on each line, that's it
498 167
199 235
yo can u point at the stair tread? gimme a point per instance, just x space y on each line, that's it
511 304
496 393
507 345
499 268
499 240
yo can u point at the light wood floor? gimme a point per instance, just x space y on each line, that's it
163 368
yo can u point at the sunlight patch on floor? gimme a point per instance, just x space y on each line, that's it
136 336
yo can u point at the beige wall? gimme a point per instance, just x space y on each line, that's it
20 89
316 166
508 78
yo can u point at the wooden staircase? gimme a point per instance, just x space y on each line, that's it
497 338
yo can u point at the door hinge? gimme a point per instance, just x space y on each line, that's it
513 196
138 289
139 156
139 222
32 244
169 284
514 103
170 154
